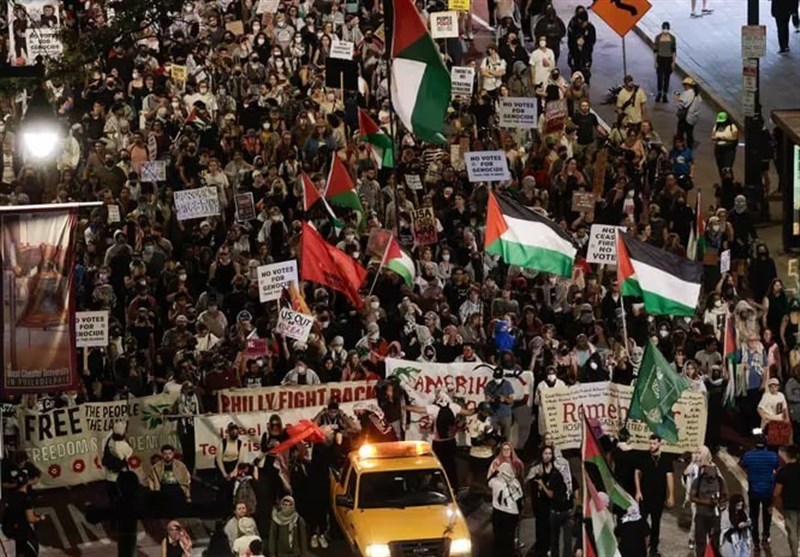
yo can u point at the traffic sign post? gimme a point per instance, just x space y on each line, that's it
622 16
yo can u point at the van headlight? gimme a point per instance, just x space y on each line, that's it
461 546
377 550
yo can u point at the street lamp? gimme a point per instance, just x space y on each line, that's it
41 133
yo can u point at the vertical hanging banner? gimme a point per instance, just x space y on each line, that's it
33 27
38 321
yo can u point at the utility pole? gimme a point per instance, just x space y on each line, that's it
752 128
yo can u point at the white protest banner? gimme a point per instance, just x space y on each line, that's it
725 261
33 30
465 383
113 214
291 397
91 328
487 166
196 203
273 278
444 25
342 50
154 171
208 430
462 81
245 206
293 324
66 444
603 244
267 6
608 403
517 112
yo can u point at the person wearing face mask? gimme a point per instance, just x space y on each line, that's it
725 136
492 69
709 494
542 62
743 231
552 28
499 393
301 374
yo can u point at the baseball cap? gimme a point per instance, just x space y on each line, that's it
722 117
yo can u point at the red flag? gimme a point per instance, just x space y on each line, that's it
709 552
304 430
310 193
328 265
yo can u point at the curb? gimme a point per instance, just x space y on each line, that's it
709 95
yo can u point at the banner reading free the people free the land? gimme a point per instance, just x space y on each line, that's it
608 403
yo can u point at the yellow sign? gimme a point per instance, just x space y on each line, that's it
459 5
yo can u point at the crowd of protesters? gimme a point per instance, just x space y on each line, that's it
253 113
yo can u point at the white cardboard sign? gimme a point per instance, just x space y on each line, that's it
603 244
91 328
273 278
725 261
487 166
113 214
462 80
517 112
154 171
342 50
196 203
444 25
293 324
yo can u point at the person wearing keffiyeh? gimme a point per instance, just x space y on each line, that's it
287 534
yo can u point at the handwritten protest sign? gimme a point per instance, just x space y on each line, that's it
293 324
459 5
91 328
342 50
517 112
267 6
273 278
603 244
424 226
487 166
113 214
413 181
154 171
582 201
196 203
462 81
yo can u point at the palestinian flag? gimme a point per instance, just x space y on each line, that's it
729 359
668 284
311 197
594 462
600 541
697 237
382 149
420 80
395 259
526 239
341 191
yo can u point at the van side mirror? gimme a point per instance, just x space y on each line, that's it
345 501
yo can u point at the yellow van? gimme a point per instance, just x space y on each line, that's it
394 500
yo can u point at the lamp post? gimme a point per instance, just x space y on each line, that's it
41 132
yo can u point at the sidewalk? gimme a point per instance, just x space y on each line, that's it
709 50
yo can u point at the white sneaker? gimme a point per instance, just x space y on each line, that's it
693 14
314 541
323 542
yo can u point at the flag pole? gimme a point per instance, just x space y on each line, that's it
387 50
383 263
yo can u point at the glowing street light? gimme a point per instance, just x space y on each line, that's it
41 133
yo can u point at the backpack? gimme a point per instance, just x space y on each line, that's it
445 423
112 462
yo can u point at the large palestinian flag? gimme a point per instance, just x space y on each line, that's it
526 239
668 284
420 80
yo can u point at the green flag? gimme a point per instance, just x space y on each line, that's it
657 389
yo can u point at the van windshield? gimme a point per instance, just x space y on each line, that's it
403 488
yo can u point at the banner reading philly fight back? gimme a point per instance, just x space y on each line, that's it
38 321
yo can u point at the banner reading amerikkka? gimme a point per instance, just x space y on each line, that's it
292 397
608 403
66 444
209 429
38 321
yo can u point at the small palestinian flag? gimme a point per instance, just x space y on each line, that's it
668 284
696 246
341 191
420 80
381 144
525 238
395 259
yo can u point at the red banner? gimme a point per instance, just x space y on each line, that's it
38 322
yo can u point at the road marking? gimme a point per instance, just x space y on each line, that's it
733 467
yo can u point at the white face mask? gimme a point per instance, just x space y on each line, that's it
446 257
542 44
356 255
375 305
